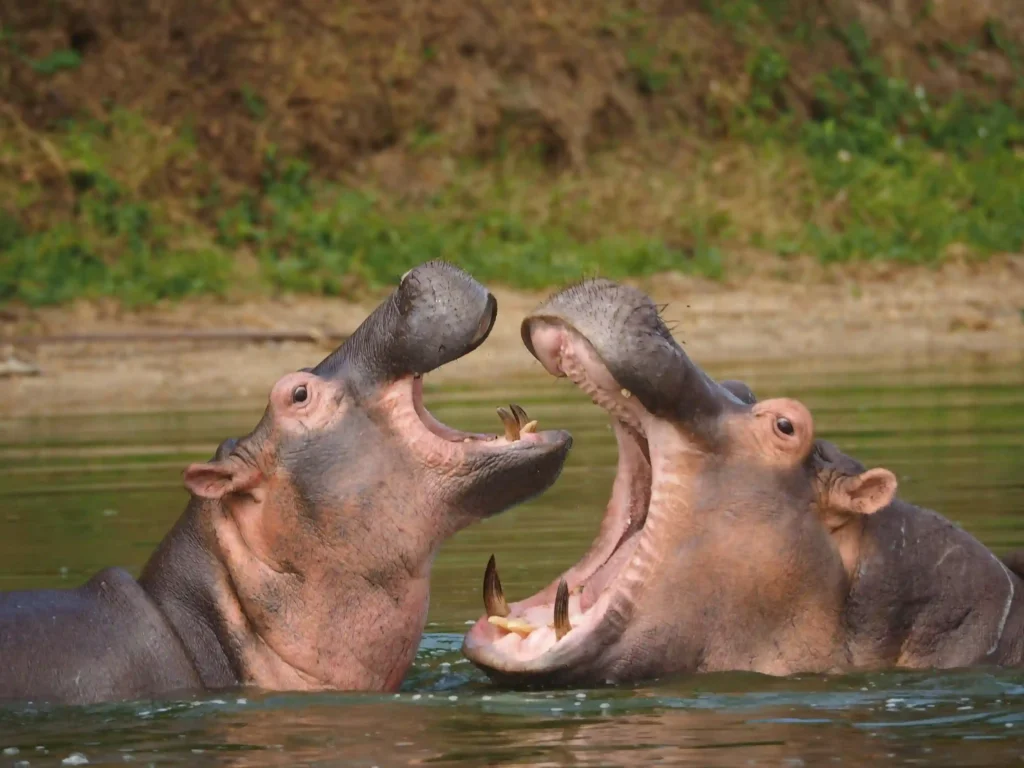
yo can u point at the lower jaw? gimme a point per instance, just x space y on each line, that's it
541 658
600 604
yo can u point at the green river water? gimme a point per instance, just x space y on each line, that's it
81 493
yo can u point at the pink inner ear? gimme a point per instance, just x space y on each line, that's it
870 491
209 481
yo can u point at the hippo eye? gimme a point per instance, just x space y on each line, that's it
299 394
784 425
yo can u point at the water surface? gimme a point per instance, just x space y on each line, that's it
81 493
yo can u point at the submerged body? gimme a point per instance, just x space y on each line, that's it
106 640
303 559
734 540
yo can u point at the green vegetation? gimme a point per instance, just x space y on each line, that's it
918 175
56 61
866 162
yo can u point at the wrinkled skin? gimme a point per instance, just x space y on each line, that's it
302 561
734 540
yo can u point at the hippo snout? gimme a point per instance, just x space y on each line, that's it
437 314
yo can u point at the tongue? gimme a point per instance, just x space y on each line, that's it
596 583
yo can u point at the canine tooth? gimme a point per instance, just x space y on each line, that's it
467 439
520 627
494 597
529 428
510 423
562 625
626 393
520 413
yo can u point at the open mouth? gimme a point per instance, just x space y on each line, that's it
516 423
442 444
597 593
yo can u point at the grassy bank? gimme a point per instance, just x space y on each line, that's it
762 127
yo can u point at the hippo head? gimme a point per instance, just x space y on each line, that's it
720 546
329 513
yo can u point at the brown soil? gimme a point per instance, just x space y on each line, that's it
780 312
344 83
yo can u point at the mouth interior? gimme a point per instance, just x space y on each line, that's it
614 562
422 428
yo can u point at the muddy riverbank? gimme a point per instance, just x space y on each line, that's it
775 313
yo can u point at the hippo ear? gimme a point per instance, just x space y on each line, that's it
864 493
217 479
739 390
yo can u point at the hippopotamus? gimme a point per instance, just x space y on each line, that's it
734 540
302 561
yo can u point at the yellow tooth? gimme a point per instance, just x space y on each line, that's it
626 393
520 627
510 423
520 413
494 596
562 625
529 428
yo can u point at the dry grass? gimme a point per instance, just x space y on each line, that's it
342 82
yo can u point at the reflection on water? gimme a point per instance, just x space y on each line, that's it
77 494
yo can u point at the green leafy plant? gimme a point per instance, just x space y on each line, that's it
57 61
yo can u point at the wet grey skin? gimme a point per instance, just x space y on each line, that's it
734 540
303 558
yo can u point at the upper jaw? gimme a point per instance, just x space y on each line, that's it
437 314
622 330
566 352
